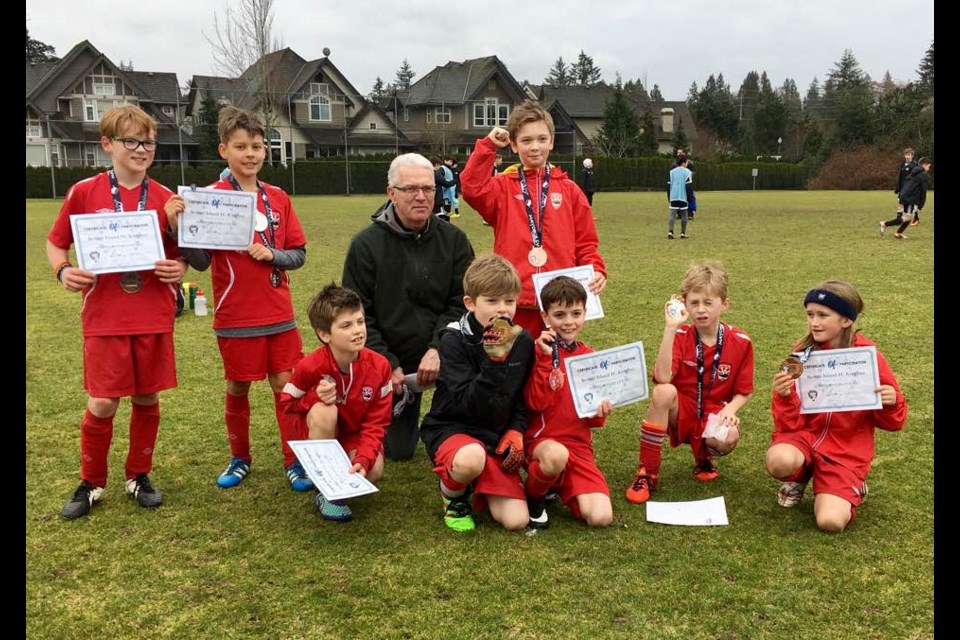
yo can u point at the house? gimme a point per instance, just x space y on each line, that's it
446 110
586 106
66 98
309 108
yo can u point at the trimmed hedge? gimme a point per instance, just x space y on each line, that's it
329 177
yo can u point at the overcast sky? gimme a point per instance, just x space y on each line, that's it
669 43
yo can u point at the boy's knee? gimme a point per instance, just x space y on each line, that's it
833 522
554 458
469 461
514 521
103 407
598 517
664 395
780 465
322 421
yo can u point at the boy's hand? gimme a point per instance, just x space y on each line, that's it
604 408
498 338
75 279
728 417
429 368
327 391
598 284
546 340
358 468
396 380
170 271
499 136
511 447
173 208
674 314
783 383
260 252
888 395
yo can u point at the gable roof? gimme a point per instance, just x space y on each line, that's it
580 102
458 82
159 86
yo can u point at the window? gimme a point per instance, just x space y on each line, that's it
167 110
90 111
90 158
103 89
373 125
319 89
34 131
442 115
429 117
276 146
406 114
490 113
55 156
320 108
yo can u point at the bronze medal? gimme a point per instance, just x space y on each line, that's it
793 366
130 281
260 223
537 257
502 326
556 379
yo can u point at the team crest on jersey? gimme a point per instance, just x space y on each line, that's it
723 371
367 394
556 199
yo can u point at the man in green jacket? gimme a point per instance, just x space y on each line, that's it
408 268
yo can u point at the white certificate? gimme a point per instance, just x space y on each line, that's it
328 465
618 374
216 218
840 380
584 275
695 513
117 242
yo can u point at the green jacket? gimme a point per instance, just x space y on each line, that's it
411 284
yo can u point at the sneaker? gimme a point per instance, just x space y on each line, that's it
883 227
705 470
915 222
234 474
683 236
643 485
900 236
457 513
538 513
791 493
143 492
669 235
299 480
82 501
454 215
334 510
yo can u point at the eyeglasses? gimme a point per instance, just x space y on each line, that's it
428 191
131 144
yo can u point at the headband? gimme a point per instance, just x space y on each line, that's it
831 300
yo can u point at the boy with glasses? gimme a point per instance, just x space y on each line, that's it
127 318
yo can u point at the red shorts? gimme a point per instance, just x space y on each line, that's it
828 475
492 481
688 427
351 441
251 359
119 366
580 476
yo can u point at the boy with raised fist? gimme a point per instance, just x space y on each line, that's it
474 430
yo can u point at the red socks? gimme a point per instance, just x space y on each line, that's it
651 446
448 486
237 417
538 482
144 423
95 437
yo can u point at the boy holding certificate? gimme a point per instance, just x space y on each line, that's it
342 390
835 449
703 376
127 318
558 445
253 312
541 219
474 430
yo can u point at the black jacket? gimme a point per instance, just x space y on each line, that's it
440 183
475 395
586 181
411 284
903 174
914 191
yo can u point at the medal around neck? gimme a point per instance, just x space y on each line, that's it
537 256
130 281
260 223
793 366
556 379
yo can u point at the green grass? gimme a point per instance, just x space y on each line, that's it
254 562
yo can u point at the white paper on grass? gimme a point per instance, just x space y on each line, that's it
696 513
328 465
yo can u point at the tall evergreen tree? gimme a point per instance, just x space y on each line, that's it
378 90
404 76
647 141
747 98
620 129
205 131
848 96
926 70
715 109
770 119
583 72
559 75
635 90
655 96
38 51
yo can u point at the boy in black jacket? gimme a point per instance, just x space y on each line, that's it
474 431
913 195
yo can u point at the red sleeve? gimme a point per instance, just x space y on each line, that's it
785 411
744 383
596 423
585 231
377 419
300 392
61 234
892 417
480 189
675 363
294 236
537 393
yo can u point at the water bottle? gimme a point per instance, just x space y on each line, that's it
200 303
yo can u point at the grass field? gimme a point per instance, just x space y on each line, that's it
254 562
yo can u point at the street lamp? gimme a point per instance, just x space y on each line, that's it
779 142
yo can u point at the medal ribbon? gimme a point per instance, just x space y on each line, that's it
805 355
535 229
272 242
115 192
713 374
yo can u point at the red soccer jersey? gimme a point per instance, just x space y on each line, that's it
364 396
550 412
108 310
734 371
569 233
242 292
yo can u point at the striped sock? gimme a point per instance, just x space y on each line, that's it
449 487
237 417
651 446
